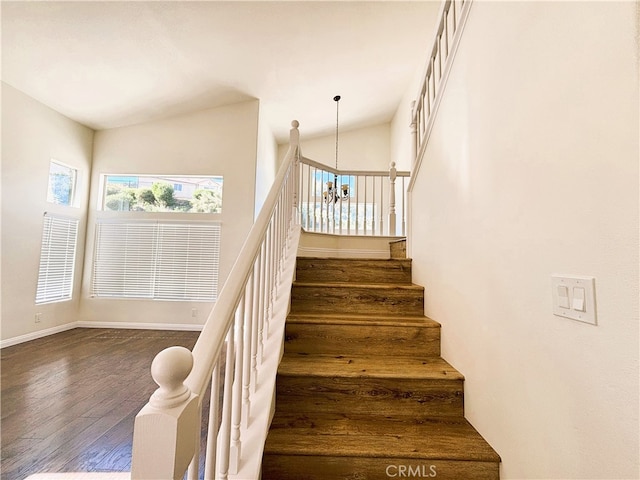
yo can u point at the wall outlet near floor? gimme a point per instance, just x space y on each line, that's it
194 312
574 297
38 317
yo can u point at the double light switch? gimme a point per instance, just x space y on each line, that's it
574 297
574 300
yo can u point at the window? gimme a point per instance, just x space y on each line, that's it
156 260
57 259
62 184
147 193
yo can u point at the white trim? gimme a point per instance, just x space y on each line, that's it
187 327
81 476
27 337
455 42
342 253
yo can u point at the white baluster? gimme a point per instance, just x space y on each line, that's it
225 427
246 361
392 198
364 214
262 290
269 280
381 203
374 205
294 142
236 403
404 214
214 424
414 133
163 440
310 209
255 322
357 204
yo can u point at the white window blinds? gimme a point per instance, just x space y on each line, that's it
156 260
57 259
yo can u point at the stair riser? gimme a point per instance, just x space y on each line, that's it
398 249
366 395
314 270
362 340
359 300
281 467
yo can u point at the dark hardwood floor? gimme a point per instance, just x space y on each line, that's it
68 401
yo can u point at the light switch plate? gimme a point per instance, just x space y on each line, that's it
589 315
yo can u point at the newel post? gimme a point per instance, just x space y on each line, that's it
392 198
164 430
294 143
414 133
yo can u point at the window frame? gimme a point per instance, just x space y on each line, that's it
169 179
74 183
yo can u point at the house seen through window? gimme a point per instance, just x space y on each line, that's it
162 193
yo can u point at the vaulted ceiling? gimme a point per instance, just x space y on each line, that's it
109 64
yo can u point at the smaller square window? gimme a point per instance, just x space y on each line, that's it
62 184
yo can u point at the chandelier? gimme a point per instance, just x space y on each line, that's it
333 194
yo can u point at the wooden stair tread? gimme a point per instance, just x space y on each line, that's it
373 286
353 270
365 366
356 260
397 436
366 320
323 262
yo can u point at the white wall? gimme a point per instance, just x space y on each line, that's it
220 141
32 135
400 128
266 162
362 149
532 169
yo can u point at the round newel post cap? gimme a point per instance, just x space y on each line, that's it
169 370
295 123
392 165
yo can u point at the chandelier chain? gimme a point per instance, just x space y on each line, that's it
337 100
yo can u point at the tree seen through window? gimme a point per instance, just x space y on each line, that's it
163 194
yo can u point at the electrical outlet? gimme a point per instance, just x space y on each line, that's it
38 317
194 312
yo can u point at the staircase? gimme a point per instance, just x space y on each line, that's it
362 392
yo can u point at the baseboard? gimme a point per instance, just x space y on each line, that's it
116 325
189 327
36 335
342 253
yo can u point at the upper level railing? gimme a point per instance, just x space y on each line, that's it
452 18
346 202
225 386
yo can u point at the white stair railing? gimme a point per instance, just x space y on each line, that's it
451 21
345 202
234 359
